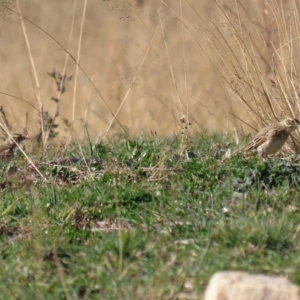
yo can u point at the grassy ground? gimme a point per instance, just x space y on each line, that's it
150 218
139 220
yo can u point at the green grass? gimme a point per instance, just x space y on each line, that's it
138 221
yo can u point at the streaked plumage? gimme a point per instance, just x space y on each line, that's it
7 148
271 139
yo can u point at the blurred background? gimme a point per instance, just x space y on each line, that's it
149 60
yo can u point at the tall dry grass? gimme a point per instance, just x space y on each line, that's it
260 61
145 64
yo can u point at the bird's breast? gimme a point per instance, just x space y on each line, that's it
276 144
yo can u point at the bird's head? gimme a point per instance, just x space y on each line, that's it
20 137
291 124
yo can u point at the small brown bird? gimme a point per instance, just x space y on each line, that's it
270 139
7 148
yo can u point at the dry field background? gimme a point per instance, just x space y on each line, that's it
129 50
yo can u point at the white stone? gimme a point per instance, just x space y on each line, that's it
234 285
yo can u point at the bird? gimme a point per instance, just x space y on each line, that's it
271 138
7 149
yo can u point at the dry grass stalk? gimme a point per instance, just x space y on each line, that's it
258 62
